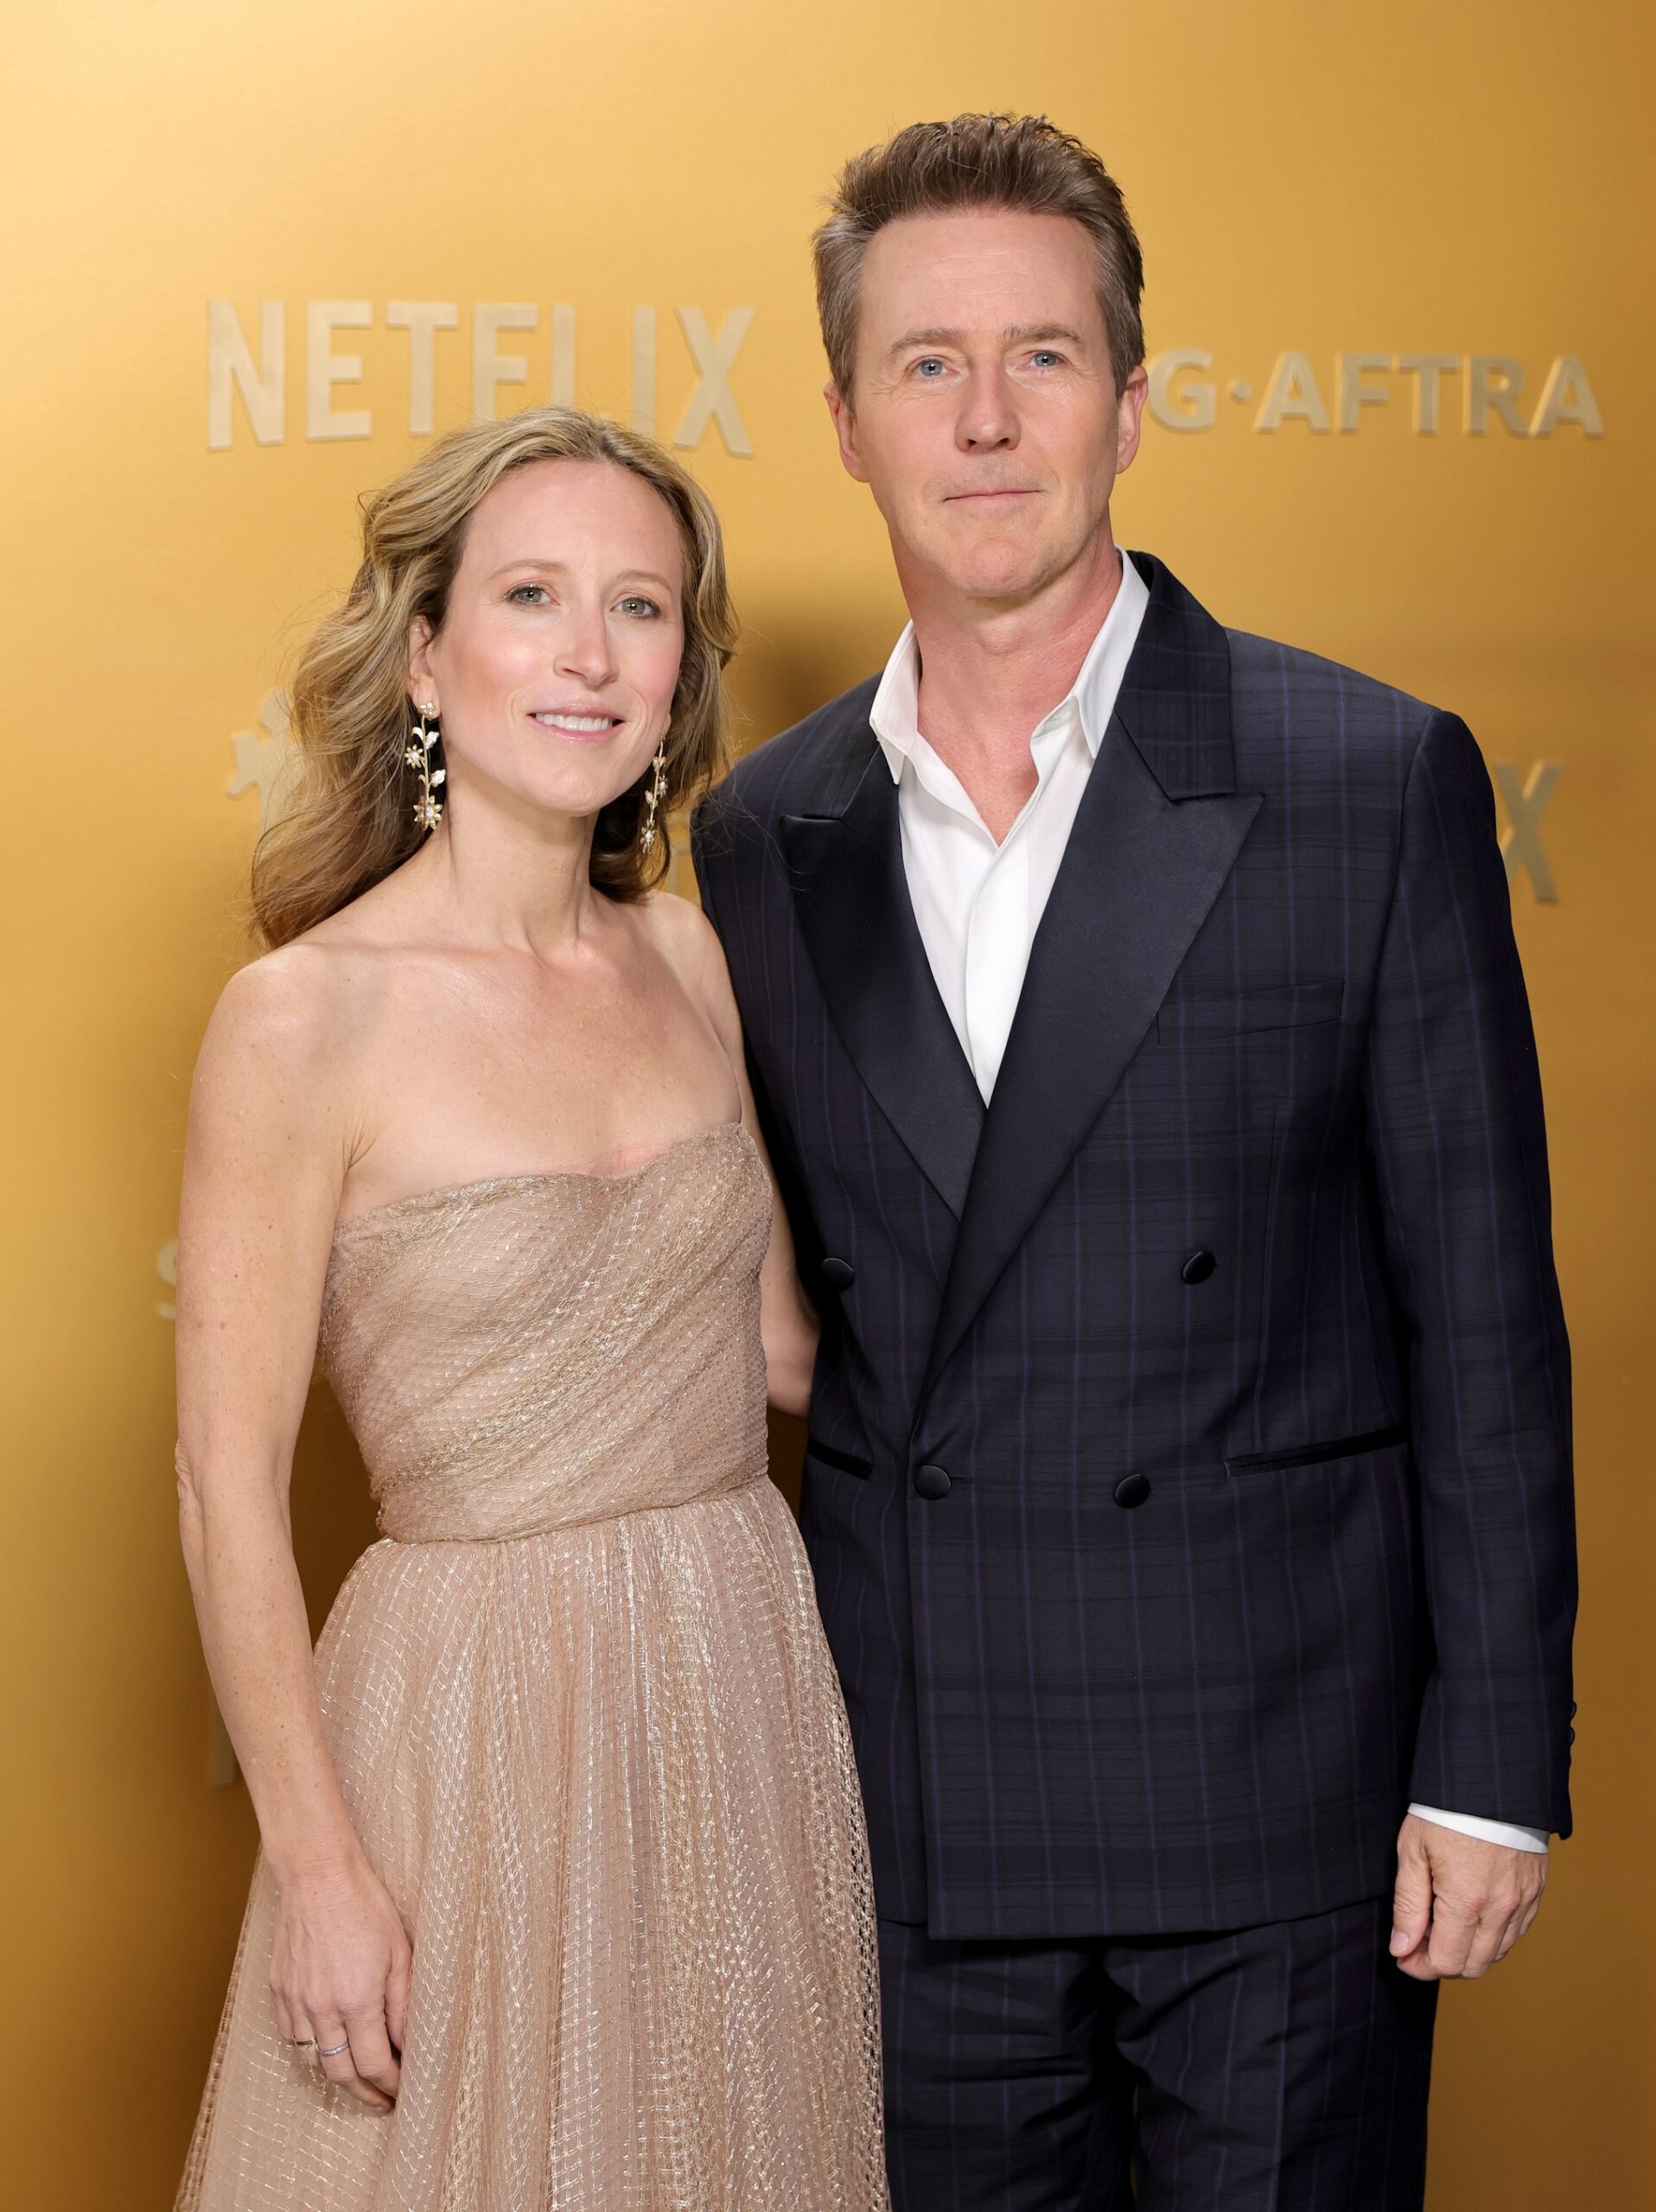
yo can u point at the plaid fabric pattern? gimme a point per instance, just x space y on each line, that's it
1190 1481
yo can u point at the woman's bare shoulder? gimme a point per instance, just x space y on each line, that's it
688 941
321 988
300 1011
679 928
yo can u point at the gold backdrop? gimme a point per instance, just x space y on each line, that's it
1398 304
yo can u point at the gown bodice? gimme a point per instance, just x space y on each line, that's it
535 1351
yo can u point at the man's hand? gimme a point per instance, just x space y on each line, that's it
1460 1904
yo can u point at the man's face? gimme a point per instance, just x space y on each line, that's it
984 416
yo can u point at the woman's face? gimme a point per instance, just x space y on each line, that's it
553 673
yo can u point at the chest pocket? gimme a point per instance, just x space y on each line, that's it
1206 1015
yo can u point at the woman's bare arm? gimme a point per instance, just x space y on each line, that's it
788 1322
269 1143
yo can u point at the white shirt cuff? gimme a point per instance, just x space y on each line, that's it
1515 1839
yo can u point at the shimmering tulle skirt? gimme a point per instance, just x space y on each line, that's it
605 1775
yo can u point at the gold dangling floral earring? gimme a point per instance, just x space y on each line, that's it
654 792
427 807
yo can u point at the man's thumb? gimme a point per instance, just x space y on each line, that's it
1412 1901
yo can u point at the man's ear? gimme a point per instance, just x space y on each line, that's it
1130 418
844 423
421 682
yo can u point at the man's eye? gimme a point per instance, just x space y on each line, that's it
930 362
1044 356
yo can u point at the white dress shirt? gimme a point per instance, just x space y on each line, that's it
978 905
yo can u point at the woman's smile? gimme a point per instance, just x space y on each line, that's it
569 724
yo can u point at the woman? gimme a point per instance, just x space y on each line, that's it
562 1895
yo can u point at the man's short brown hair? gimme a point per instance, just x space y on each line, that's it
1021 162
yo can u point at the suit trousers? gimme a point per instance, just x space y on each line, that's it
1277 2068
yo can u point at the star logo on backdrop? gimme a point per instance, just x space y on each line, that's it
266 759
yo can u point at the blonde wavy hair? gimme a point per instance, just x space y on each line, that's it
350 818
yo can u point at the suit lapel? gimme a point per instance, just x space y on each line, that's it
853 905
1157 834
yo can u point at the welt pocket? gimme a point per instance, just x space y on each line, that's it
1316 1455
830 1456
1286 1006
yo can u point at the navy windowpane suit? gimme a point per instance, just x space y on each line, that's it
1189 1482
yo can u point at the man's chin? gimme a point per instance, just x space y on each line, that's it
1010 578
1001 565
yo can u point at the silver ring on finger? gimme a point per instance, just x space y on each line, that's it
334 2051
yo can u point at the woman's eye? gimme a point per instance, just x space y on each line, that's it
635 603
527 594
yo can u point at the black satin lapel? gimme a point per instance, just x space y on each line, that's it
1139 876
852 901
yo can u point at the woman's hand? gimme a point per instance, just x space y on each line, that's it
339 1972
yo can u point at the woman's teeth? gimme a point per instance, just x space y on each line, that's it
578 725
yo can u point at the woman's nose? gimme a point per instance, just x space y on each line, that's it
585 649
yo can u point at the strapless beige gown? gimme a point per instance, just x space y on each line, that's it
588 1729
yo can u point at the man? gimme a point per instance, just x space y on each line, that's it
1135 1012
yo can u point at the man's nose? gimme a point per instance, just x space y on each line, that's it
988 413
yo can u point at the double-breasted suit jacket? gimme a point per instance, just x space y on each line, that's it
1188 1485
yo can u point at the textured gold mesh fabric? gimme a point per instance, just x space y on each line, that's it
588 1729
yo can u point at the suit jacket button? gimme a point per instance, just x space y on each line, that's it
932 1481
838 1274
1132 1489
1198 1268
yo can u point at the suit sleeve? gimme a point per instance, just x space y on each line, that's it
1458 1154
